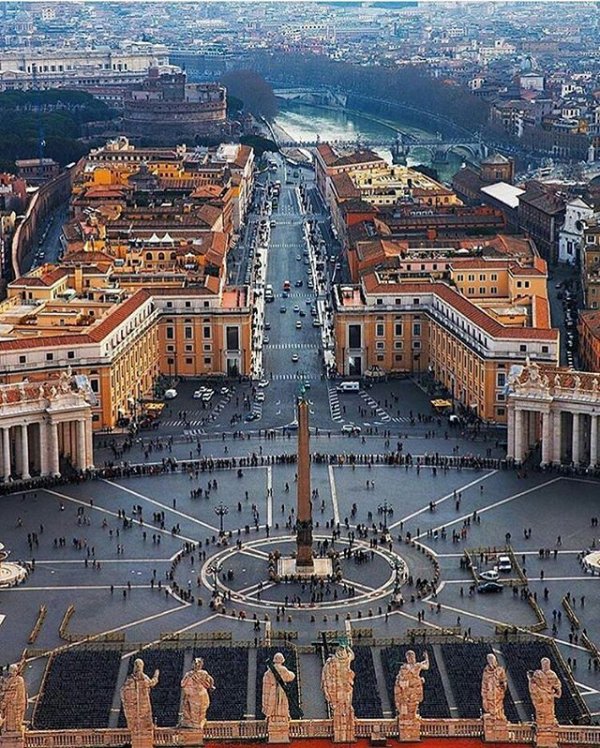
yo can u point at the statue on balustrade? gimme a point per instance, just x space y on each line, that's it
135 697
337 682
493 689
544 688
196 686
275 702
408 689
13 700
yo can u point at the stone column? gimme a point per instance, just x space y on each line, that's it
24 452
510 433
43 448
6 452
81 455
547 441
518 435
576 439
557 437
54 466
593 440
89 442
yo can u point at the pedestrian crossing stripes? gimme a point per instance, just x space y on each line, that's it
334 404
298 376
194 432
180 422
374 405
291 346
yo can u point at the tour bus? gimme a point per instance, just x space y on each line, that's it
269 295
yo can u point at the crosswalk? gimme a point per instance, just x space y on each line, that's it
292 346
194 432
299 376
334 404
374 405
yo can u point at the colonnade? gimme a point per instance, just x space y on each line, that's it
36 446
564 436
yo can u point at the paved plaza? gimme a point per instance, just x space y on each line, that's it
119 578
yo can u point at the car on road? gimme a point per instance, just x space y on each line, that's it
295 358
298 324
490 576
283 309
266 340
263 383
299 257
224 391
267 325
306 385
252 417
489 587
302 313
299 283
259 397
316 323
272 224
284 295
351 429
170 394
309 283
504 564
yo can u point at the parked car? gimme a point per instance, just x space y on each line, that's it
170 394
504 564
490 576
489 587
350 428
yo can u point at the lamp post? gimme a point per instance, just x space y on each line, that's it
215 569
385 510
221 511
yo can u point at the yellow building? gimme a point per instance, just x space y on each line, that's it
466 330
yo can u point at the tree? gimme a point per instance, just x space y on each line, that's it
253 90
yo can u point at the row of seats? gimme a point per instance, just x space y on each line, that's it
464 665
365 699
291 662
229 668
525 656
435 704
166 695
78 690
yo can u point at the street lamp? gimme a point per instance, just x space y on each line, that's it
385 509
221 511
215 569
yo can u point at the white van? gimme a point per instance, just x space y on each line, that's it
348 387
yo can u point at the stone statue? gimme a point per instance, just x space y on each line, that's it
196 687
544 688
275 704
135 697
493 689
577 382
408 689
557 381
13 700
337 682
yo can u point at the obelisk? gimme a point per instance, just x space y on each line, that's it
304 540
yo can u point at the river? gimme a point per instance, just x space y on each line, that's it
305 122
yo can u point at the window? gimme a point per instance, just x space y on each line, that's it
22 359
70 354
380 345
493 290
188 333
416 329
170 348
380 329
170 333
544 349
207 347
189 361
188 304
523 348
206 332
170 361
494 276
189 348
380 357
500 411
416 345
398 357
207 361
481 277
460 277
471 277
398 344
169 304
415 302
49 357
354 336
94 385
501 379
398 329
379 302
481 290
233 338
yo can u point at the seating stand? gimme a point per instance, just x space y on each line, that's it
495 730
409 730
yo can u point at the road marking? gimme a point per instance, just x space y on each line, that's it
444 498
270 496
334 501
162 506
171 633
507 500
